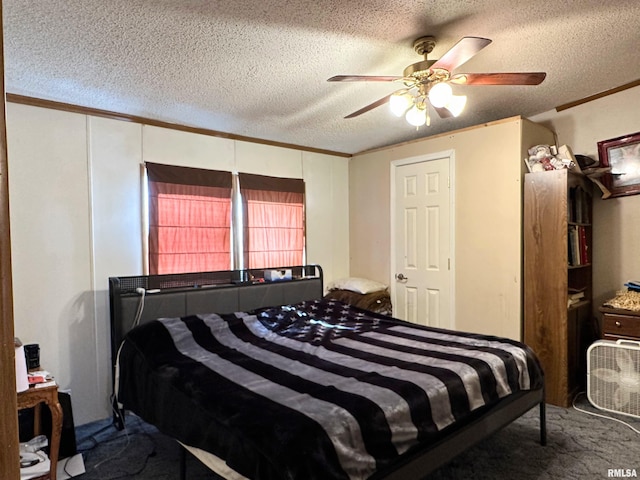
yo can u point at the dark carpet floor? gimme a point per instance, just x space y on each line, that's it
580 446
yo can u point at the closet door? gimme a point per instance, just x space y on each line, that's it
421 250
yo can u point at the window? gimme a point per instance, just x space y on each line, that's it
273 220
195 215
189 219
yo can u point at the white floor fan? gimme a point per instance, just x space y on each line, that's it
613 376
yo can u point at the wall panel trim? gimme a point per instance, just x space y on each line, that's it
96 112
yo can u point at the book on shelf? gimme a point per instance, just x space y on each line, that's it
584 257
574 257
578 248
575 295
578 211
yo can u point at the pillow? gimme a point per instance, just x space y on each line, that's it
356 284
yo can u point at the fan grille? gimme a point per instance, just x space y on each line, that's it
613 376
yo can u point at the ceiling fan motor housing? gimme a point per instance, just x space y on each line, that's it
421 72
424 45
418 69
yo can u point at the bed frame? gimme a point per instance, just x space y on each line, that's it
177 295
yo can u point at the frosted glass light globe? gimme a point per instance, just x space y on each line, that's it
399 103
440 94
416 116
456 104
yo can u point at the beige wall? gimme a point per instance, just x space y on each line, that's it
616 221
488 166
89 226
75 206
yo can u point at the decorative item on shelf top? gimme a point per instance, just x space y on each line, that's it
622 156
625 300
633 285
549 157
546 157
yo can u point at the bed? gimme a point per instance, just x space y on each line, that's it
269 380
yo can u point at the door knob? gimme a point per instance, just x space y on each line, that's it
401 277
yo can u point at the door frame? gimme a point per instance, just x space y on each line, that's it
9 441
450 154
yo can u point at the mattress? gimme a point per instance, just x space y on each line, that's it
316 390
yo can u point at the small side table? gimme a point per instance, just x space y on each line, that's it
620 324
34 397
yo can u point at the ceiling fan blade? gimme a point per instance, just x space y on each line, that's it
523 78
462 51
364 78
371 106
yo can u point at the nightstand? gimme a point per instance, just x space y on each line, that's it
34 397
619 324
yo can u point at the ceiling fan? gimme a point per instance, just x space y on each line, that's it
428 82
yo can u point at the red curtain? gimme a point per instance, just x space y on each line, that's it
273 221
189 219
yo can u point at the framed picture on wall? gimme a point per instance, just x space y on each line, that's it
622 155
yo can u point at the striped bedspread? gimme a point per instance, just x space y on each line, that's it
319 390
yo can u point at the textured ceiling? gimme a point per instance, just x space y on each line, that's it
259 68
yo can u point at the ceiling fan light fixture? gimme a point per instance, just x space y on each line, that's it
416 116
456 104
400 102
432 79
440 94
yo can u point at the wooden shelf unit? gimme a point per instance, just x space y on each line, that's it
558 333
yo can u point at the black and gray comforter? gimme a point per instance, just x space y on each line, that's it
319 390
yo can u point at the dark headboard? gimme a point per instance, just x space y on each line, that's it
177 295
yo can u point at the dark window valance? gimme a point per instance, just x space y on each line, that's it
187 175
273 184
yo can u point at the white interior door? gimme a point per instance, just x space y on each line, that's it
421 247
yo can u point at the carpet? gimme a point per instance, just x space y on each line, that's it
579 446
